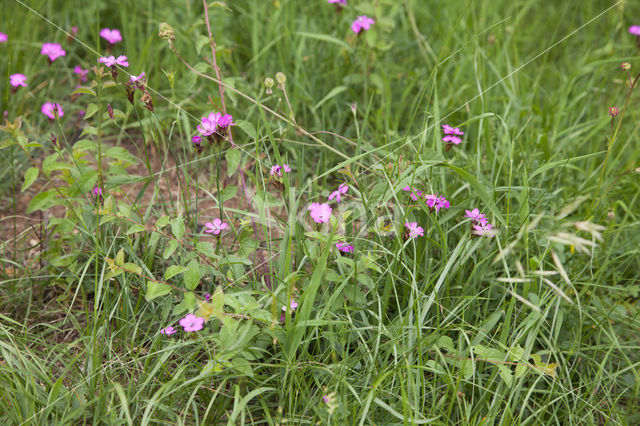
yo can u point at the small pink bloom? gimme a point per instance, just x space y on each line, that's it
441 203
209 124
450 130
97 191
112 36
111 61
52 50
275 170
51 110
342 189
452 139
192 323
292 304
74 30
344 2
344 247
18 80
483 229
81 73
635 30
196 140
225 121
216 227
414 229
3 38
134 79
168 331
362 23
320 213
325 399
286 168
476 216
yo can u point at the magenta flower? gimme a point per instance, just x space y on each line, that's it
277 170
52 110
450 130
196 140
326 399
52 50
3 38
320 213
344 247
168 331
225 121
216 227
452 139
342 189
112 36
81 73
414 194
292 304
18 80
344 2
476 216
483 229
414 229
134 79
436 202
111 61
192 323
209 124
286 168
97 191
635 30
362 23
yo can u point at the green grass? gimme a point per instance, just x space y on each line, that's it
539 325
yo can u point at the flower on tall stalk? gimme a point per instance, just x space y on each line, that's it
320 213
82 74
362 23
451 135
192 323
52 110
293 305
18 80
414 229
483 230
475 216
112 36
342 189
436 202
344 247
168 331
277 170
53 51
216 226
112 61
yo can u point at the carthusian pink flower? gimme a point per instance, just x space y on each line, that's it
635 30
476 216
450 130
344 247
196 140
362 23
112 36
18 80
320 213
292 304
192 323
209 124
414 194
97 191
342 189
436 202
3 38
138 79
483 229
81 73
51 110
338 1
168 331
52 50
414 229
216 227
111 61
225 121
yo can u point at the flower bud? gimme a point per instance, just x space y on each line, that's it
166 32
613 111
281 78
625 66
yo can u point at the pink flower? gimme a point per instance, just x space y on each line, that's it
277 170
292 304
342 189
344 247
325 399
436 202
635 30
52 50
134 79
51 110
362 23
216 227
476 216
483 229
196 140
450 130
452 139
320 213
97 191
112 36
3 38
18 80
414 229
192 323
209 124
168 331
286 168
81 73
111 61
225 121
344 2
414 194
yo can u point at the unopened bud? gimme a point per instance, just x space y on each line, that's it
166 32
613 111
110 111
625 66
281 78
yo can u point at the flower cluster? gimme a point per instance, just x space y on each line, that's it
451 135
277 170
433 201
480 226
215 126
53 51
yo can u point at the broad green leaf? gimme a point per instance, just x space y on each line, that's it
120 257
90 111
119 153
171 247
136 228
30 176
247 128
173 270
44 200
202 40
206 248
177 227
192 275
233 159
84 90
155 289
